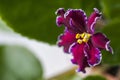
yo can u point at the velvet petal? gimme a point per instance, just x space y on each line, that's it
92 20
79 57
101 41
93 55
66 40
78 19
59 20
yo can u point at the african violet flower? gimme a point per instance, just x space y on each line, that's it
79 37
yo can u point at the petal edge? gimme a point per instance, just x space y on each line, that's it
93 19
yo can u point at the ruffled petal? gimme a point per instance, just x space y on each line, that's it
93 55
92 20
99 40
79 58
73 20
60 20
78 19
60 11
66 40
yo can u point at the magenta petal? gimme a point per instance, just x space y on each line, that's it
79 58
94 55
66 40
101 41
92 20
78 18
59 20
75 28
75 23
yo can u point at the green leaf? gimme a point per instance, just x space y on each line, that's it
111 9
18 63
94 78
112 31
36 19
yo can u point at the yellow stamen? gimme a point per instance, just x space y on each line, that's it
86 37
82 35
85 40
77 36
79 41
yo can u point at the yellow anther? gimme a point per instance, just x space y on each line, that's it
86 37
77 36
79 41
82 35
85 40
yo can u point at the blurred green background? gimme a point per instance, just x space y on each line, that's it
35 19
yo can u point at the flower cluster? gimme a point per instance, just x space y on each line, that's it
79 37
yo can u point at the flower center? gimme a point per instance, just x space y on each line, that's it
84 37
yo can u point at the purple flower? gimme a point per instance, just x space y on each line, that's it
79 37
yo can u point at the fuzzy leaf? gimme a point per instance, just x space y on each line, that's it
18 63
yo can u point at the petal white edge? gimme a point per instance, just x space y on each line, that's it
95 20
71 47
107 47
57 21
80 10
92 25
98 61
58 10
